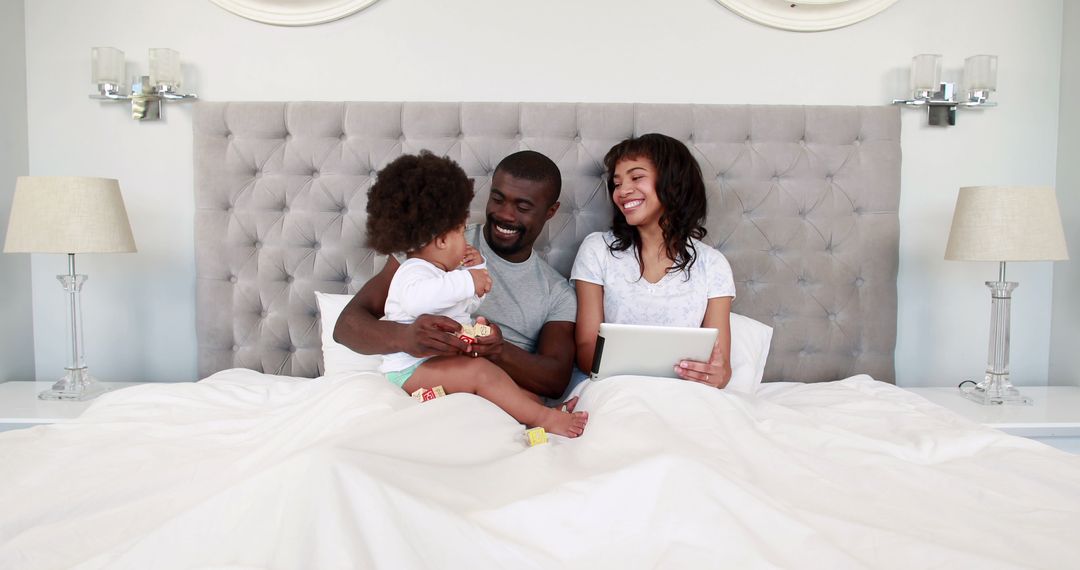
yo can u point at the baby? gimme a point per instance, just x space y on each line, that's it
419 205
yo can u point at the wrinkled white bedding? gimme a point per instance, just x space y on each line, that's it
245 470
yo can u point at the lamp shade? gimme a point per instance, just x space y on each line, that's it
998 223
68 214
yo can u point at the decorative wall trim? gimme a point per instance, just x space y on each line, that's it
807 16
293 12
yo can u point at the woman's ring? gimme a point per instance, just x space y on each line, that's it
474 355
706 377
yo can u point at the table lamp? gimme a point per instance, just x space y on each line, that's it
69 214
1002 224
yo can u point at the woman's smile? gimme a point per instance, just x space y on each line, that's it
634 191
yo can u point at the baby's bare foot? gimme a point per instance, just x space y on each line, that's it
566 424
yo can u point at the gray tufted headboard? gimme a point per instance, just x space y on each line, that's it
803 202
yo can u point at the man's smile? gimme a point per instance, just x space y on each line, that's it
506 231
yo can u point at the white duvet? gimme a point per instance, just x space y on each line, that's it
245 470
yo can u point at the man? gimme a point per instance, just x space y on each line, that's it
531 308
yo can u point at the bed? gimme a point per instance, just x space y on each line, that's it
273 461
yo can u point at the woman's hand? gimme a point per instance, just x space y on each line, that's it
716 372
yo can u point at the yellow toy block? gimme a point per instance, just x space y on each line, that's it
537 436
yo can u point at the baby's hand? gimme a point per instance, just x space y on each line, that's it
481 281
472 257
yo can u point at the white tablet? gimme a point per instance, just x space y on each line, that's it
648 350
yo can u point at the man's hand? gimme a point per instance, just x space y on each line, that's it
434 335
489 346
481 281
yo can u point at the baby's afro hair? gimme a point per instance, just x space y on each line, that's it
414 199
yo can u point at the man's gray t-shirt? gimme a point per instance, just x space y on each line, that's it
524 296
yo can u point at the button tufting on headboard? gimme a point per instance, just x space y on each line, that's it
803 202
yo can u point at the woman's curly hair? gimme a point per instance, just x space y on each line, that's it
414 199
680 189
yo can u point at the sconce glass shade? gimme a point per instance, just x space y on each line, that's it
925 72
147 92
165 67
106 65
939 98
980 73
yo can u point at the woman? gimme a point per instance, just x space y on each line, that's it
651 268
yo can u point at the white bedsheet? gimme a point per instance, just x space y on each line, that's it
245 470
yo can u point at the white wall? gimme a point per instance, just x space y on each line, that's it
16 322
1064 353
140 308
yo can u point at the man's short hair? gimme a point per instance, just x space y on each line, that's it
534 166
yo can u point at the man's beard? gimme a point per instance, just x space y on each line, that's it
500 247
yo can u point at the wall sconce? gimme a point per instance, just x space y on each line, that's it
940 100
147 91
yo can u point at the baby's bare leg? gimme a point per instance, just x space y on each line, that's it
479 376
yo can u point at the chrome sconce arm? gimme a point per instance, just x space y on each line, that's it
941 105
147 91
940 98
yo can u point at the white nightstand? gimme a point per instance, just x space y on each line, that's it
20 406
1053 419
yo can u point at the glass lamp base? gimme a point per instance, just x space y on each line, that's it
76 384
996 397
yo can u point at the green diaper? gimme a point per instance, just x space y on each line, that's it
399 377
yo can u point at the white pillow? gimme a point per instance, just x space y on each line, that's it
750 341
338 357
